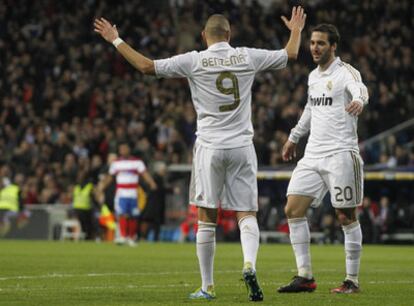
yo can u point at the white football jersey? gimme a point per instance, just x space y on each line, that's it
332 129
221 79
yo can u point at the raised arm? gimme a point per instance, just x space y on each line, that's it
295 25
136 59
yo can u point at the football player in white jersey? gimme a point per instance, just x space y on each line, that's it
336 96
225 162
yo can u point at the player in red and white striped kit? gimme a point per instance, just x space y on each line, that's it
127 171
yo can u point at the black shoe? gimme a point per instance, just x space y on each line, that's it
250 279
299 284
347 286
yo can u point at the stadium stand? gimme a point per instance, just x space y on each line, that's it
67 99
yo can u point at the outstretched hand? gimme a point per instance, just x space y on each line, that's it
105 29
297 21
354 108
289 151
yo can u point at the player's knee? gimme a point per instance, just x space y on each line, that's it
292 211
342 219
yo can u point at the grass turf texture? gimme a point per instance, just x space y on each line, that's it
55 273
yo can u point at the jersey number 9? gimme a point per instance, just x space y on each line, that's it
234 90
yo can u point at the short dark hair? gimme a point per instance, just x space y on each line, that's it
217 25
331 30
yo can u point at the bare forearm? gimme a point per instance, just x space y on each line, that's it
136 59
292 46
149 180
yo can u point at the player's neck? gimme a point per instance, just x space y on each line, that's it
323 67
215 41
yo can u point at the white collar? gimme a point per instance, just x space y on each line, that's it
331 67
219 45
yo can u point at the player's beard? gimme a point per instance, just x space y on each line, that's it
324 57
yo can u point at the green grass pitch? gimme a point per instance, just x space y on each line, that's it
55 273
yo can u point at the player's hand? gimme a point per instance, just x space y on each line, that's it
354 108
105 29
297 21
289 151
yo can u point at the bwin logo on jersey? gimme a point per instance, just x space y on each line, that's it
323 101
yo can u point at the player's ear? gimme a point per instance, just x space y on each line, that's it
334 47
203 36
228 36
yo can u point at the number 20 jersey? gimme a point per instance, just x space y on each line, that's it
220 79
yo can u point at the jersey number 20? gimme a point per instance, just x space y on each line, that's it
233 90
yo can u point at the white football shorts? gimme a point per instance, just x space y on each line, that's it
225 178
341 174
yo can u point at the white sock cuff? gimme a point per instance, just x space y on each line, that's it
207 225
351 227
245 218
295 221
206 235
249 225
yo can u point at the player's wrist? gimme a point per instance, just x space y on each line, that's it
359 101
117 41
293 139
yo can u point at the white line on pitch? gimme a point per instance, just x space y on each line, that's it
68 275
183 285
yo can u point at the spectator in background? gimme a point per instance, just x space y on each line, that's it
11 203
154 213
84 204
367 217
383 220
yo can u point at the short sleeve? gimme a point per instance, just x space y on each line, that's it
141 167
112 169
179 66
268 59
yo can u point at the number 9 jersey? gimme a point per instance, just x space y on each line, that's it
220 80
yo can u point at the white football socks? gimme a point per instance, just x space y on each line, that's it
353 247
206 246
300 240
249 238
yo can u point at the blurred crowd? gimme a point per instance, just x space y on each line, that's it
67 99
387 209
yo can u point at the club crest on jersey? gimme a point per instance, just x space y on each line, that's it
329 85
323 101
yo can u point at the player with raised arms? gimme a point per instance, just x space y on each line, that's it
225 162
